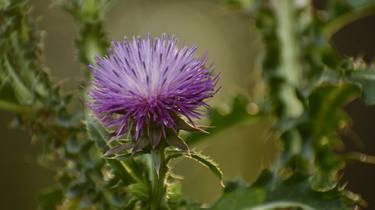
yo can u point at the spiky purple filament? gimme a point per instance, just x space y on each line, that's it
147 82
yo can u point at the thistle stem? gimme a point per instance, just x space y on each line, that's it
159 171
15 108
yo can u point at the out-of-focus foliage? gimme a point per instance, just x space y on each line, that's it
68 149
308 85
89 14
270 192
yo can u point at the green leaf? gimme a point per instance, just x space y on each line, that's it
120 171
366 79
49 200
240 198
325 104
174 192
73 146
202 159
177 142
125 156
156 161
6 91
271 192
281 205
22 92
209 163
97 132
118 149
140 144
139 190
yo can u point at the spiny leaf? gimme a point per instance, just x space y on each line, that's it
271 192
186 126
325 105
178 143
118 149
202 159
140 144
209 163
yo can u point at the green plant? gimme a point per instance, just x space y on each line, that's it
308 85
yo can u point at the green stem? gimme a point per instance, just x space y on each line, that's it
15 108
290 70
357 156
290 67
159 171
338 23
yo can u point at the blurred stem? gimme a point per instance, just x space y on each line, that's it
158 170
357 156
290 71
344 20
290 68
15 108
92 40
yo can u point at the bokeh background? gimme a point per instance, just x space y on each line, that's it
233 45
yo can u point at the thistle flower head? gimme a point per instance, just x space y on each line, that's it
149 82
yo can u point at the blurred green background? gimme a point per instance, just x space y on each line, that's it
232 44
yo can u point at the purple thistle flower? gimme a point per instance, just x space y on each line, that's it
148 83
